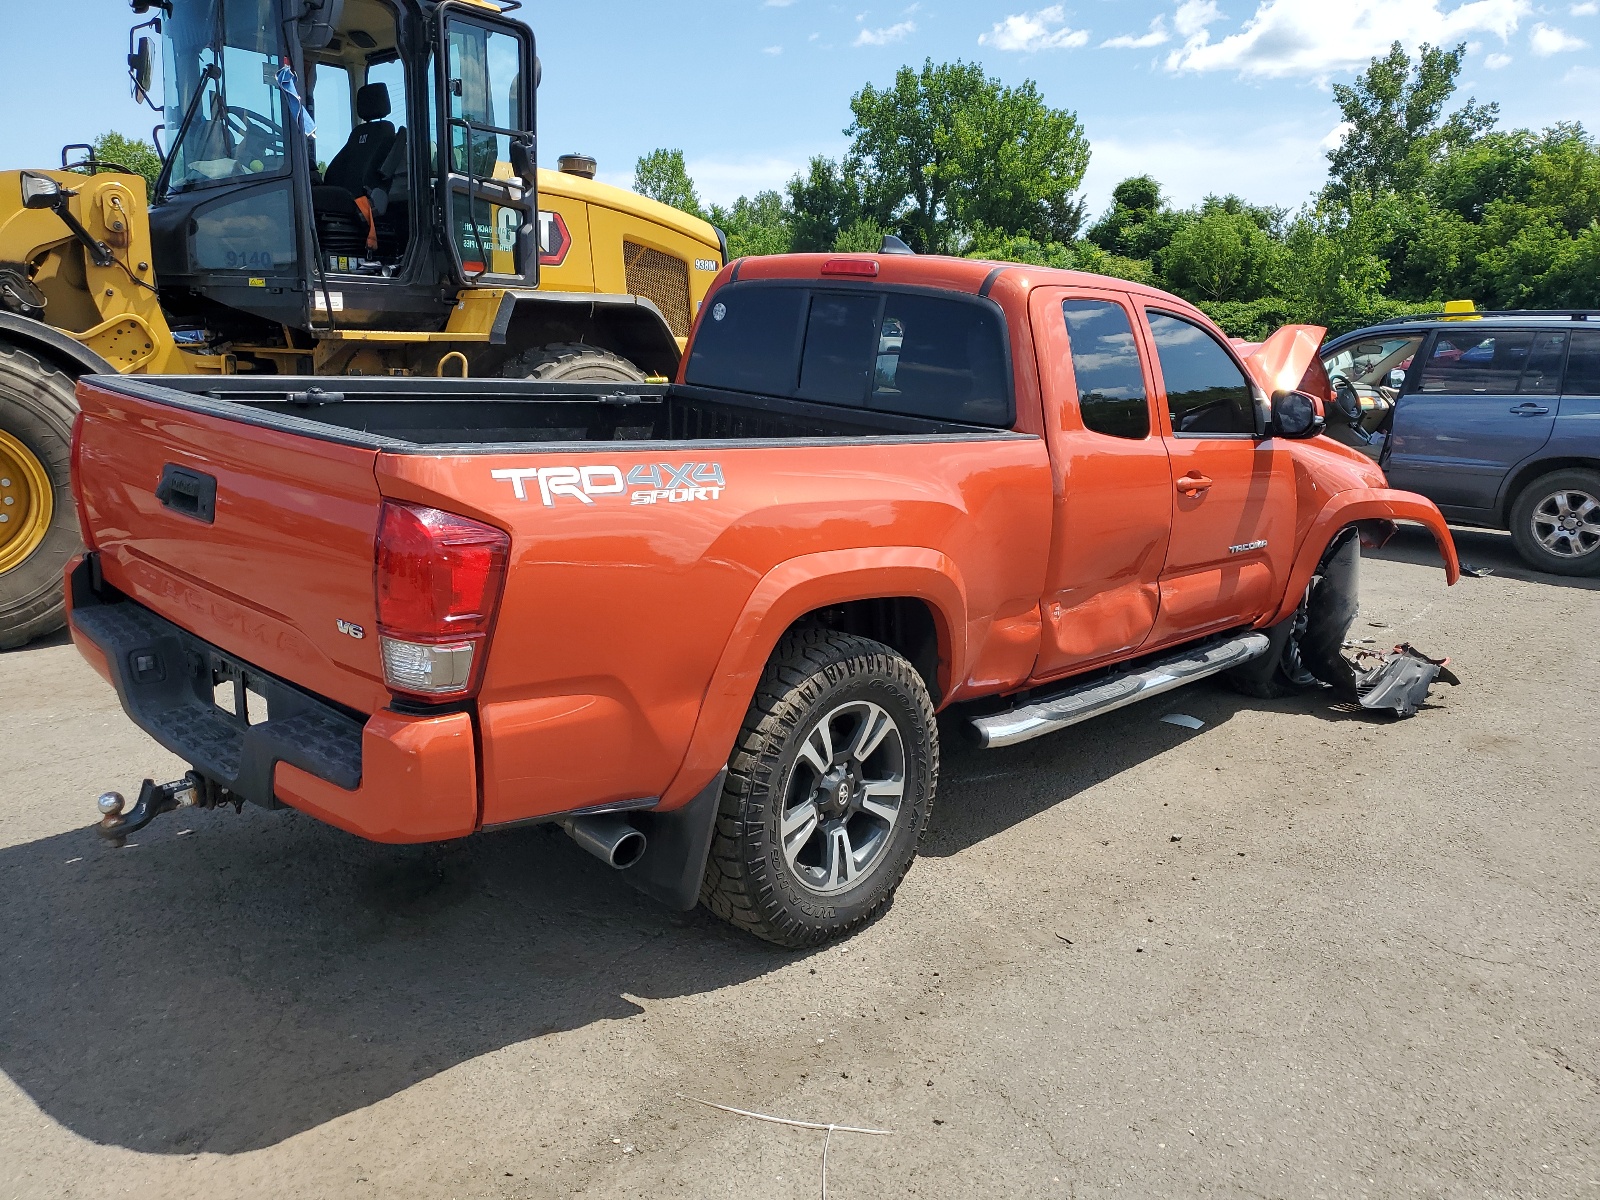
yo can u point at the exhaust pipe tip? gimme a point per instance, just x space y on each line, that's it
609 838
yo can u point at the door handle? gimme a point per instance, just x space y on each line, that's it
1193 484
1529 409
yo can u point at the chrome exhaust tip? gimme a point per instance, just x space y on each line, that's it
608 837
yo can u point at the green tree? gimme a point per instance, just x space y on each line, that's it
1397 127
662 175
1221 255
754 225
946 149
823 202
135 154
1139 224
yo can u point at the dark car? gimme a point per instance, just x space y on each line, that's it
1493 416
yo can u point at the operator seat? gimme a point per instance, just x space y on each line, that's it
341 225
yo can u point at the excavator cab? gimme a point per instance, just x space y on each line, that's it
314 147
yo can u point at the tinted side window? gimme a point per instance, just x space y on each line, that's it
841 339
1476 364
748 341
1105 361
1583 364
1542 375
1206 390
943 359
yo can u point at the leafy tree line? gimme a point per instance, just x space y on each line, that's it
1420 205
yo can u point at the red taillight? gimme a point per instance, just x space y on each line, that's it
439 579
864 268
76 476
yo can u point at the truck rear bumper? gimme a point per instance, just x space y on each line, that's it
390 777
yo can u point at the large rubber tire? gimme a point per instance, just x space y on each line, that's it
37 407
566 362
1545 493
750 881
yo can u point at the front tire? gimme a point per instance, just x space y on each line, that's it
1555 523
38 521
828 790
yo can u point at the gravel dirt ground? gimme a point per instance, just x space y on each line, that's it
1293 953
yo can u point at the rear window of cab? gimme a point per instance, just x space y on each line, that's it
917 353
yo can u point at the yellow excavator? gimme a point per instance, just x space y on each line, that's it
348 187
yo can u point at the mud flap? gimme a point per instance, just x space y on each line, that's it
1397 681
677 844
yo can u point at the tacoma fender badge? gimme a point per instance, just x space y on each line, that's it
350 628
1245 547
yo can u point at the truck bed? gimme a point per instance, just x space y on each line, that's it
476 415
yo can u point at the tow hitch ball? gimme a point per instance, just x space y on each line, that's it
192 791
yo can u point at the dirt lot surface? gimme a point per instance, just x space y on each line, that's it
1366 969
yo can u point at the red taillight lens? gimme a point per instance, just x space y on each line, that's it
439 580
864 268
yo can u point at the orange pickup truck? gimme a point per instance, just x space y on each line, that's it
706 625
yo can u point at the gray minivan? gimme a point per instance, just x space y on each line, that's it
1495 417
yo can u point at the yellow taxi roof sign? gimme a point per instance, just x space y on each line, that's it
1460 310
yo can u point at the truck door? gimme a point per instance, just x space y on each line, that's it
1233 497
1113 487
1482 402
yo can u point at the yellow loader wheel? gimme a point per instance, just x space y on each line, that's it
38 523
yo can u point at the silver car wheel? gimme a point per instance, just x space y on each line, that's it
843 798
1567 523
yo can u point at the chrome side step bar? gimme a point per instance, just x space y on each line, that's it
1065 708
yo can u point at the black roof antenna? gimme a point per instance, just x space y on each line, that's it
893 245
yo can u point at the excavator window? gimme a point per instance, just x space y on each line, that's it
238 125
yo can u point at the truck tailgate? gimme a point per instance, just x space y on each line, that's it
258 540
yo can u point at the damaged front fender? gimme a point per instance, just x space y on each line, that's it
1367 509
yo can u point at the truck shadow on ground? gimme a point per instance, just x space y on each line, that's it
1478 548
224 989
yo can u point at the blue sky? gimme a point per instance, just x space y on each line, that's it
1207 95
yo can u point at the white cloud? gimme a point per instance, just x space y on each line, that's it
1495 61
1293 37
1139 41
1028 32
1336 136
772 50
1547 40
1588 9
882 37
1194 15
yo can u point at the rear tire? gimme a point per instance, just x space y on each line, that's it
828 790
40 530
1555 523
572 362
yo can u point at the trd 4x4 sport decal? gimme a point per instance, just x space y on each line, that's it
648 483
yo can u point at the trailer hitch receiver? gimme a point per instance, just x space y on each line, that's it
194 790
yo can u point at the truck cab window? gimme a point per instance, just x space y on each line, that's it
1105 363
1207 393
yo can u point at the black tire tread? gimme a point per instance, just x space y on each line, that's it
795 672
567 360
32 601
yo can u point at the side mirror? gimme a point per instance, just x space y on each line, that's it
141 68
522 161
1397 379
39 191
1296 415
